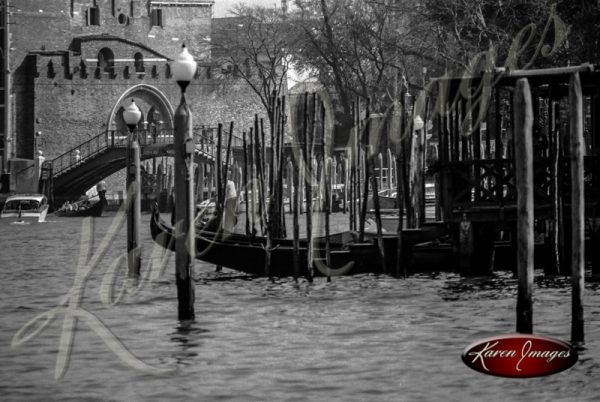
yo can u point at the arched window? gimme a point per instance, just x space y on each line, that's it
138 62
106 60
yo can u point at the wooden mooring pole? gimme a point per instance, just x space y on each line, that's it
296 224
245 184
373 127
397 135
523 121
577 208
250 202
328 168
219 166
309 181
366 170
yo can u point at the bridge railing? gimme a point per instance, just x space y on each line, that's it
205 138
85 150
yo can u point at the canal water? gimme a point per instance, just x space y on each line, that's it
362 338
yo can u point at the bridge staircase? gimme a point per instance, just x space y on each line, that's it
72 173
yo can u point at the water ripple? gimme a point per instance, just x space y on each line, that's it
368 337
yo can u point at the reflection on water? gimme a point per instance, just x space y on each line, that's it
357 338
187 337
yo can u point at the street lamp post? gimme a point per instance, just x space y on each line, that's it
132 115
183 69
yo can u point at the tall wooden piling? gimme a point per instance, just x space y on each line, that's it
351 162
357 167
226 166
302 173
380 160
555 228
375 128
211 180
296 223
308 157
290 184
366 169
260 179
270 168
219 166
229 210
327 168
346 183
245 184
350 158
252 184
523 123
278 169
390 171
397 136
577 208
200 186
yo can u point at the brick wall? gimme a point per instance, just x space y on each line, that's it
52 24
69 109
52 96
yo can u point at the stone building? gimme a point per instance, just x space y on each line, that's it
70 66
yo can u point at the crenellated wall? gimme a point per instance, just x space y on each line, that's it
72 72
72 98
62 91
51 25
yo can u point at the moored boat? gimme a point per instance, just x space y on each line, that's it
247 253
25 206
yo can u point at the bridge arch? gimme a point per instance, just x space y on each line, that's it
148 98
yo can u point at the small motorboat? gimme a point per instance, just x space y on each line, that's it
26 206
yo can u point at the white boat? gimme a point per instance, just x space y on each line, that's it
26 206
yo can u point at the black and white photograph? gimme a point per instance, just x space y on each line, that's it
299 200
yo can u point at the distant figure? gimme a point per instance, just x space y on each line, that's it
172 204
230 208
101 189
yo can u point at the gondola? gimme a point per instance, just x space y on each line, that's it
94 210
247 253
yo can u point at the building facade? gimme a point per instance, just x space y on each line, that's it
70 66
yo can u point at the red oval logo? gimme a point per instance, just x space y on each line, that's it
520 356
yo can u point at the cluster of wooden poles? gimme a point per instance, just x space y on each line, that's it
310 171
524 116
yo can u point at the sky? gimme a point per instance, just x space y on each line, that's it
222 6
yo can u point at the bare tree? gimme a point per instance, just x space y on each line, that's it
254 45
359 48
463 28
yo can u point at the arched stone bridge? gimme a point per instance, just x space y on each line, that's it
82 167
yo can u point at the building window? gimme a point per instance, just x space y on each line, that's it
123 19
138 62
106 61
156 17
93 15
